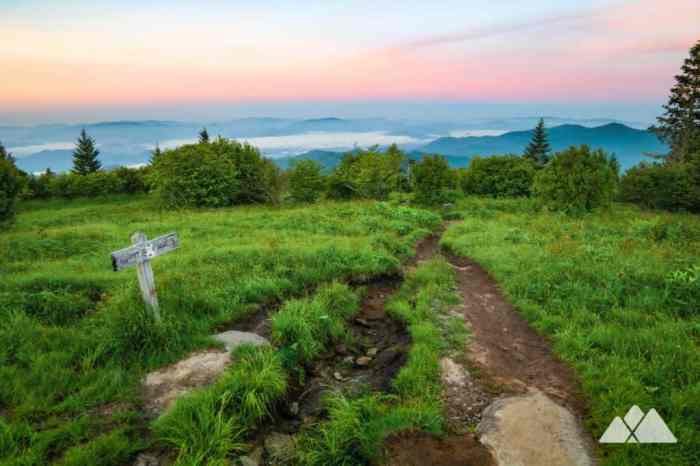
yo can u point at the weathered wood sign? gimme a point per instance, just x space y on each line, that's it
139 255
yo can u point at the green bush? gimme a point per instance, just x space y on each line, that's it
577 180
498 176
216 174
662 186
9 189
305 181
101 183
369 174
433 180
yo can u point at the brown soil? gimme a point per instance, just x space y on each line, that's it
421 449
507 353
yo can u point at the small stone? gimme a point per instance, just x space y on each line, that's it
279 448
233 339
348 359
363 361
294 408
254 458
337 376
362 322
144 459
372 351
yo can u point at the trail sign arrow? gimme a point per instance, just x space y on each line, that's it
139 255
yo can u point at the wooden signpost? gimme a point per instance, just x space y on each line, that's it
139 254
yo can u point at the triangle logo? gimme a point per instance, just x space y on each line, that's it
638 428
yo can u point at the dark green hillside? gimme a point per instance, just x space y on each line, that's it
628 144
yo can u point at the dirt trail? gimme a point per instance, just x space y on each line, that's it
512 367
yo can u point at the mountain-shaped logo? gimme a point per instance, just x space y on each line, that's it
638 428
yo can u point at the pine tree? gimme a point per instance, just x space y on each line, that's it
85 155
155 154
204 136
538 149
679 126
4 155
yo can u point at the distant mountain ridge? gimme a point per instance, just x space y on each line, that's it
628 144
129 142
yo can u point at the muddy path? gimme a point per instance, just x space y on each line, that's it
507 353
509 379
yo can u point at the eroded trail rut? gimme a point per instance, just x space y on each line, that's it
508 399
515 402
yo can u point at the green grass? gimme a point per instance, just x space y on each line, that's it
357 426
618 292
75 339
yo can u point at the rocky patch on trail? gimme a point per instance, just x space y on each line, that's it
532 430
162 387
463 396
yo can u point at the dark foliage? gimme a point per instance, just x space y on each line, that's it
538 150
577 180
85 155
215 174
679 126
10 185
306 183
498 176
369 174
674 186
433 180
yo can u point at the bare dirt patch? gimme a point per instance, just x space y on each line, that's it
421 449
504 349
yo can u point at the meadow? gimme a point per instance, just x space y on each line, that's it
618 292
75 340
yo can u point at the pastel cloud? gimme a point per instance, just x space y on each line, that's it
620 51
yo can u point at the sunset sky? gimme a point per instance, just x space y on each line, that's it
86 60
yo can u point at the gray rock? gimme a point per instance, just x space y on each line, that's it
338 376
294 408
532 430
372 351
233 339
279 448
145 459
254 458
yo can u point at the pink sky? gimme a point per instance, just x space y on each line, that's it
611 51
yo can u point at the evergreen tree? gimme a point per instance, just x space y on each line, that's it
85 155
204 136
679 126
538 149
155 154
4 155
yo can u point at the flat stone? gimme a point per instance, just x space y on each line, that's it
532 430
146 459
372 351
279 448
452 373
162 387
254 458
338 376
363 361
233 339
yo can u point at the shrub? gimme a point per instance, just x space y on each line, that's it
498 176
669 186
216 174
433 180
368 174
305 181
577 180
102 183
9 189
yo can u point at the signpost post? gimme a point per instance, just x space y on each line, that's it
139 254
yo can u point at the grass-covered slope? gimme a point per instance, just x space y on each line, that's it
75 340
619 294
